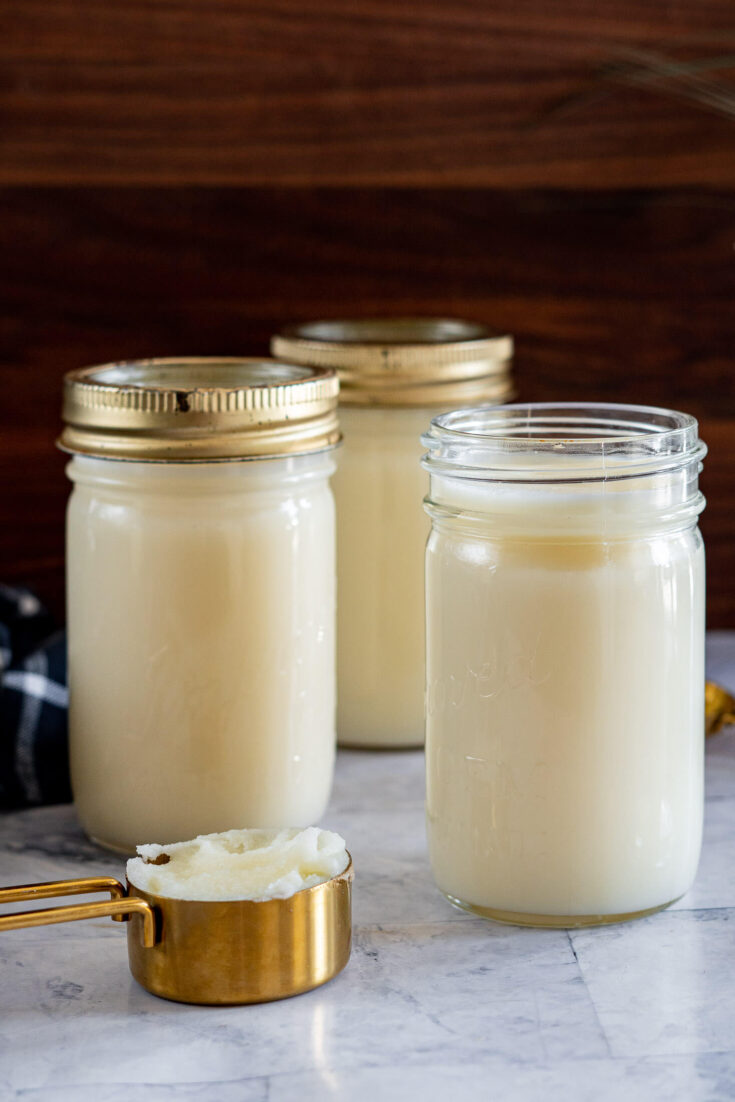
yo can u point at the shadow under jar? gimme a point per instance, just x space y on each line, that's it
395 373
201 596
565 661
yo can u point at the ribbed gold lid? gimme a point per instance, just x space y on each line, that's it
405 361
198 409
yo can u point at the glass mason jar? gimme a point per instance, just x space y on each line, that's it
201 596
394 375
565 660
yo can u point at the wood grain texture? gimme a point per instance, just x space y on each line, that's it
475 93
615 296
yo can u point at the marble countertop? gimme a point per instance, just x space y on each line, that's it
433 1004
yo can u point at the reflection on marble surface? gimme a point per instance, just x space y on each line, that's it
434 1003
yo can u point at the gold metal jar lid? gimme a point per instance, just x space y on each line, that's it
405 361
199 409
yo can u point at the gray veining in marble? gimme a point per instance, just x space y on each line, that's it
434 1004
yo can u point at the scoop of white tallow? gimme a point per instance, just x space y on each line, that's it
239 864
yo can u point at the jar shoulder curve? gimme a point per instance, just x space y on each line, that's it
251 480
494 549
197 501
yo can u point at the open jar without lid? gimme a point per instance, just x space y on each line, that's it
565 660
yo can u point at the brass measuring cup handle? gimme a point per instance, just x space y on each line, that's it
119 907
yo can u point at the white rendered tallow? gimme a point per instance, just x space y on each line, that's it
393 373
201 645
239 865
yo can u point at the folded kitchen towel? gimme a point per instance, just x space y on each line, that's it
34 753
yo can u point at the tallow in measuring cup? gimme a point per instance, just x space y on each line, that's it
215 953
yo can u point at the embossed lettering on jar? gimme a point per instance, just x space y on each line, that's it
565 660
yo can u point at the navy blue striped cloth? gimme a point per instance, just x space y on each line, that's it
34 752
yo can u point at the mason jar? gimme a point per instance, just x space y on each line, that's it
201 596
394 375
565 660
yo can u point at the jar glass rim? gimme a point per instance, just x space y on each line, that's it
561 441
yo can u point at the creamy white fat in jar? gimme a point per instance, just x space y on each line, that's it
395 373
565 660
201 596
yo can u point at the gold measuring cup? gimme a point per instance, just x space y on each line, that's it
213 953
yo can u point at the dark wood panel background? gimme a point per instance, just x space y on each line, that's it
570 93
183 176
